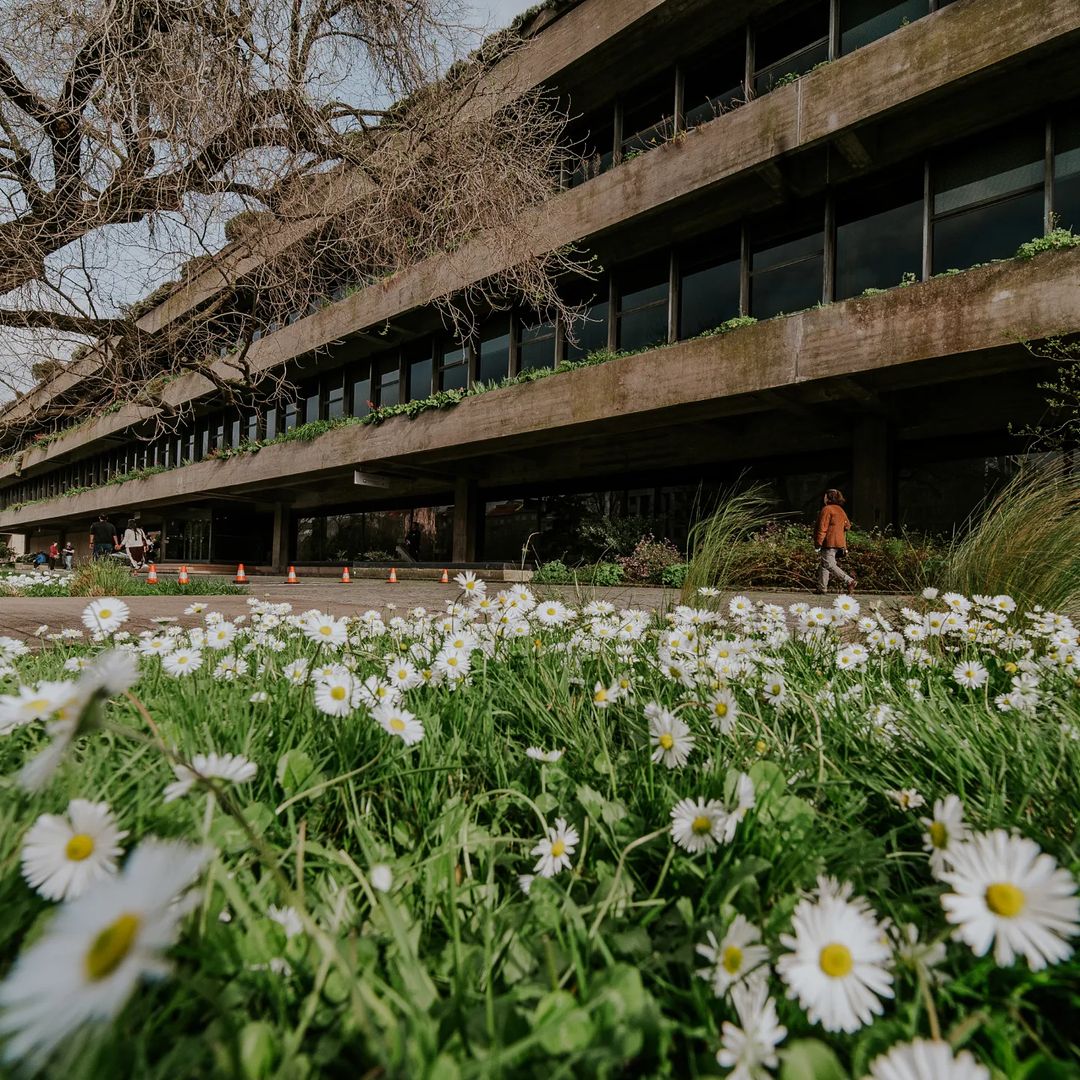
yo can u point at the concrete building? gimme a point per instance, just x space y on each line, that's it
854 175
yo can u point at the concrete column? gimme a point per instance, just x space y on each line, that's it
280 546
468 510
872 497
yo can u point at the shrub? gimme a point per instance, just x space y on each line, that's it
555 572
649 559
604 573
674 575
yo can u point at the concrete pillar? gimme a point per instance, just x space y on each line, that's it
280 548
468 519
872 497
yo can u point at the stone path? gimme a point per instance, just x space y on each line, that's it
21 616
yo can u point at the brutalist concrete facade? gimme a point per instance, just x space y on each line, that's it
914 140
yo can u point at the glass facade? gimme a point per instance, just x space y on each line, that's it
791 47
1067 173
642 312
454 368
786 273
591 332
863 21
537 341
709 284
493 361
388 381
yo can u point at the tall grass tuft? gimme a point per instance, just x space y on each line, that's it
1024 543
110 577
717 549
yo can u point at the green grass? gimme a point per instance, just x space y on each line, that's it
109 578
456 973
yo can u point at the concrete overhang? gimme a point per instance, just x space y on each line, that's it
951 321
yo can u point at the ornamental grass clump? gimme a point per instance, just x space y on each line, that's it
526 837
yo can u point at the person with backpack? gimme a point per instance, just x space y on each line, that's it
830 537
134 542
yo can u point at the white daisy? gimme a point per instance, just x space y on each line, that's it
698 824
63 856
288 918
92 954
1009 894
105 615
548 756
749 1050
398 722
970 674
555 849
470 584
603 695
670 737
382 878
926 1059
326 630
944 831
182 662
336 695
723 708
906 798
734 958
836 964
230 767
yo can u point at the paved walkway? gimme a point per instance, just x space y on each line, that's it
21 616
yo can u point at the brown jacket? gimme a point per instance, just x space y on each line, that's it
832 525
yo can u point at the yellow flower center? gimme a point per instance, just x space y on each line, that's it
835 960
1005 900
720 708
760 746
939 835
558 848
106 613
111 946
324 630
666 741
600 695
338 693
397 723
701 825
732 959
79 847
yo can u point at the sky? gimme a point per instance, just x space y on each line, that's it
500 12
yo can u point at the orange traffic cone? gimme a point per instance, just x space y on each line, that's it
345 579
292 579
151 575
182 578
392 579
241 578
445 579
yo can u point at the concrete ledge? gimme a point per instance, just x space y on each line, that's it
959 42
983 309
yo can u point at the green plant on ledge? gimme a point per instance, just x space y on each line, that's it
1055 240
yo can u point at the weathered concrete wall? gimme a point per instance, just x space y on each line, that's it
951 320
960 42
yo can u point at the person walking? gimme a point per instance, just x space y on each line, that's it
830 536
68 555
134 542
103 541
54 555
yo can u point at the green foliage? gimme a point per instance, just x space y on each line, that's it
1024 542
555 572
606 573
649 559
1055 240
713 542
735 323
1059 428
674 576
113 481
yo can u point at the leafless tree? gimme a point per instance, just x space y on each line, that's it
275 151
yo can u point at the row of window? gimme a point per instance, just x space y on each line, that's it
976 201
748 62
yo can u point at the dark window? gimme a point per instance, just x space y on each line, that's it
291 417
251 426
648 115
592 140
388 380
493 363
418 363
454 368
591 332
234 430
537 343
713 82
272 423
709 290
360 389
786 271
1067 173
310 392
863 21
879 234
202 440
787 49
988 197
335 395
642 313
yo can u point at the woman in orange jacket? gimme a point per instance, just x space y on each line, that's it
830 535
